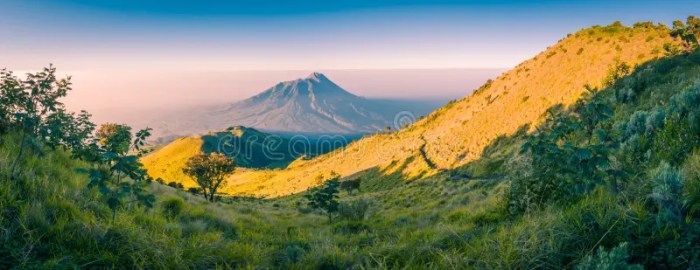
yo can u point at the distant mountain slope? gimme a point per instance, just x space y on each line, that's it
311 105
249 147
457 133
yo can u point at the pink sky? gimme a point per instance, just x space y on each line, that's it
125 96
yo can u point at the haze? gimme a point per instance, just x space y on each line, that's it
130 57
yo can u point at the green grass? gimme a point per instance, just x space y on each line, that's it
453 220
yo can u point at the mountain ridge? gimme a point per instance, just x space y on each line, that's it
457 133
313 104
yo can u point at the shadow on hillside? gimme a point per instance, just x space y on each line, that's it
496 160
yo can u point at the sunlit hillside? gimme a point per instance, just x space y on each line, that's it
457 133
642 213
246 145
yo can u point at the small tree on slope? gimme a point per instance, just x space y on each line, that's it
325 198
210 172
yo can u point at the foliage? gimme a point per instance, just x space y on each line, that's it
620 70
563 169
172 207
351 185
587 180
210 172
31 106
325 198
688 32
615 259
354 210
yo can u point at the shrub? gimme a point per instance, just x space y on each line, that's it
175 185
354 210
291 253
615 259
172 207
350 227
194 190
667 189
691 175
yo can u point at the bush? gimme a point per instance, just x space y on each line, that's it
691 175
176 185
667 189
350 227
615 259
194 190
211 222
354 210
291 253
172 207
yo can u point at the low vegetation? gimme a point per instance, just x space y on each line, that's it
610 182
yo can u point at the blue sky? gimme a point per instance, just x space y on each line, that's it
191 52
303 34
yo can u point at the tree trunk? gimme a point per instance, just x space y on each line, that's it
19 155
206 196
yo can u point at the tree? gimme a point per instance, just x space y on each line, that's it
25 105
115 141
592 109
562 167
325 198
115 138
116 150
209 171
687 32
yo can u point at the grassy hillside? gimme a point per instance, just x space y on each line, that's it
446 221
458 133
610 182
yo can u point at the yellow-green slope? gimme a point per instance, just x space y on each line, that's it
167 162
457 133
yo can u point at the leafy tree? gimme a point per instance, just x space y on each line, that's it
25 105
562 168
620 70
116 150
209 171
325 198
115 138
70 131
687 32
592 109
118 194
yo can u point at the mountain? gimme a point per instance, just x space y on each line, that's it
458 133
313 104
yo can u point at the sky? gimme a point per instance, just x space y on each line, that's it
156 54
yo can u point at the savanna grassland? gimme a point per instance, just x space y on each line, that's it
610 179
